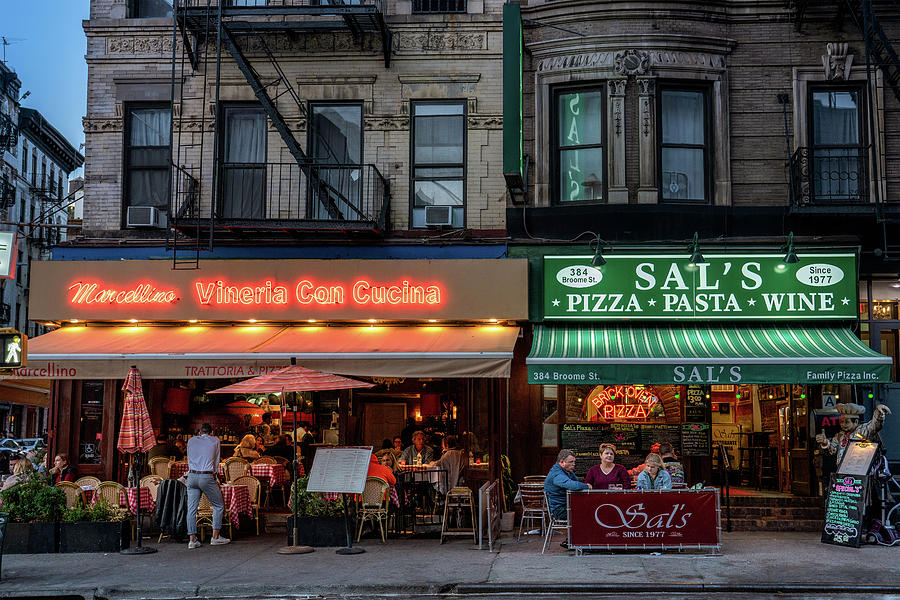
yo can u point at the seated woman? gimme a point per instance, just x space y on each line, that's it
247 448
654 476
608 474
61 470
260 445
388 459
21 471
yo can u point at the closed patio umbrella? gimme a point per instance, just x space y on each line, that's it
135 436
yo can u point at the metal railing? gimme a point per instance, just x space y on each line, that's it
834 175
251 4
439 6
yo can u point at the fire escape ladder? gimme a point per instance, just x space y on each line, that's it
323 191
881 51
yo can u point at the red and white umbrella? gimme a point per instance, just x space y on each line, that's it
292 379
136 432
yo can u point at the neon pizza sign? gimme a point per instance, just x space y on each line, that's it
625 402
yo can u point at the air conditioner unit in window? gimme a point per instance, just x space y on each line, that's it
145 216
438 215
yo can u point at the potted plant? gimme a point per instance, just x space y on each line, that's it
101 528
34 509
320 522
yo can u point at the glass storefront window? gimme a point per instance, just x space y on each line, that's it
91 425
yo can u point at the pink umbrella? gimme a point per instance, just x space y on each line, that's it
135 436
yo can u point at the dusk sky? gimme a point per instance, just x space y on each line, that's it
46 50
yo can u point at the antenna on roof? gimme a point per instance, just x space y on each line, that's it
6 41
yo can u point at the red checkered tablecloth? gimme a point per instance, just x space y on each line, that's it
275 474
129 498
177 469
237 501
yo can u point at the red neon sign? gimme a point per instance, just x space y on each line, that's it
142 293
612 402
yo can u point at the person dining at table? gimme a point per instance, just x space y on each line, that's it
608 474
560 480
453 460
417 453
654 476
61 470
376 469
388 459
247 448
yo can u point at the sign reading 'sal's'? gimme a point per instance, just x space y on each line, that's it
724 287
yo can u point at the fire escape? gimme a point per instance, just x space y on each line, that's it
287 194
837 180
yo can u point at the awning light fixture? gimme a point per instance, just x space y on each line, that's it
694 250
790 255
597 245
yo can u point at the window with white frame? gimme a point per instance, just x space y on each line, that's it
438 163
683 144
147 156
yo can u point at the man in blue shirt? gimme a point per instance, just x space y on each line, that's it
560 479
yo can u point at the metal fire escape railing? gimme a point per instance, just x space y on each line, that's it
203 25
9 133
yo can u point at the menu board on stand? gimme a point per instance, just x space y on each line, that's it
845 508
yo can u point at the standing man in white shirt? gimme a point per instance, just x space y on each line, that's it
203 454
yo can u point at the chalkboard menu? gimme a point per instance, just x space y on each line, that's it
659 433
695 439
632 441
696 405
845 507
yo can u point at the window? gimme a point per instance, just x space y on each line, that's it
142 9
59 187
439 6
838 155
44 174
684 146
91 423
578 146
33 167
51 183
438 161
147 156
24 159
336 139
244 167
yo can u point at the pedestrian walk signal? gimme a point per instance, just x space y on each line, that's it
12 349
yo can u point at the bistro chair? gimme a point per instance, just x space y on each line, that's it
160 465
373 506
108 491
264 460
205 515
235 467
151 482
535 478
561 525
74 493
88 481
253 485
534 507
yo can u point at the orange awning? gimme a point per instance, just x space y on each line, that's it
203 352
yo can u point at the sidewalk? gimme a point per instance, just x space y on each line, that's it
751 562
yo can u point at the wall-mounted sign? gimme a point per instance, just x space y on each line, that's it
731 287
281 290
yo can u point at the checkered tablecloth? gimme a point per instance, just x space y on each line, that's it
129 498
275 475
237 501
177 469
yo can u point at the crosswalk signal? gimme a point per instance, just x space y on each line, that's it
12 349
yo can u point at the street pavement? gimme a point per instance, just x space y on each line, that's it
751 565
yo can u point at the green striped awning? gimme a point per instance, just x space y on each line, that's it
674 354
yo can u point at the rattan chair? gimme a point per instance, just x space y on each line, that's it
87 481
373 506
264 460
534 507
253 485
555 525
109 491
74 493
151 482
160 466
205 516
235 467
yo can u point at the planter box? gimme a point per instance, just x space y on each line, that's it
31 538
100 536
318 531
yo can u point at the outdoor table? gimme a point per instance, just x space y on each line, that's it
129 498
272 474
237 502
417 486
646 519
177 470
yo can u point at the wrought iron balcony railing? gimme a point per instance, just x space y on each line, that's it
829 176
9 133
286 196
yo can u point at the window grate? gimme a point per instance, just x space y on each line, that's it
439 6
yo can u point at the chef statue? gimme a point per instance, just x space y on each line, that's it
851 429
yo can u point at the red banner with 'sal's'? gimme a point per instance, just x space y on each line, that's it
644 519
